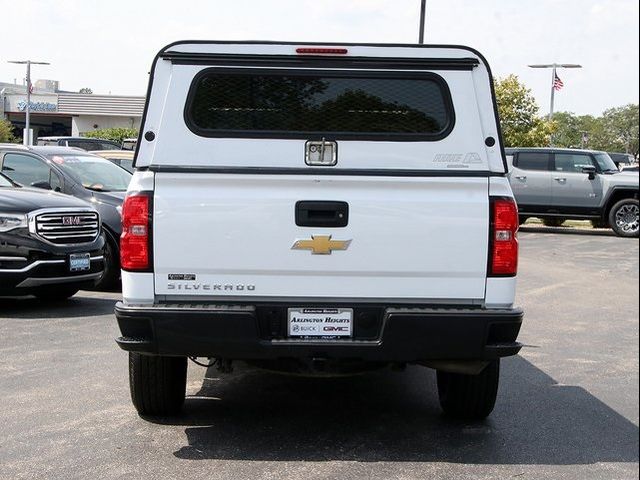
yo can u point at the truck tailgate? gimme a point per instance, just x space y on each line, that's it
231 235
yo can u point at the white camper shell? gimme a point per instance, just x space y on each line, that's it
305 205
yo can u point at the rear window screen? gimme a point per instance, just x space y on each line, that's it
286 105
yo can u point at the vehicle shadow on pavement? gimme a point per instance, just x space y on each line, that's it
76 306
389 416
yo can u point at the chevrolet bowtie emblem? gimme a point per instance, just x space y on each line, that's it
321 244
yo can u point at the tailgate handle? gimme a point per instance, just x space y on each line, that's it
321 213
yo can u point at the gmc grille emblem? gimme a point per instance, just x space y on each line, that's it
68 221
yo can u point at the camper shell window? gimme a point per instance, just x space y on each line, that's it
303 104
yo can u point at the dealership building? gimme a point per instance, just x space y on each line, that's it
57 112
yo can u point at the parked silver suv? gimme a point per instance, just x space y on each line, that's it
556 184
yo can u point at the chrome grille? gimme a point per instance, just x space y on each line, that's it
67 227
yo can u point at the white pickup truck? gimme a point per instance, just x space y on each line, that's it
319 209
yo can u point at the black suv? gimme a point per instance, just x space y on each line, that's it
81 174
50 244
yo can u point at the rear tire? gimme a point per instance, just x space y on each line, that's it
111 273
470 397
157 384
553 221
56 293
623 217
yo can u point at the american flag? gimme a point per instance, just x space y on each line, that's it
557 83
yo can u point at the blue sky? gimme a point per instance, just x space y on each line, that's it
108 46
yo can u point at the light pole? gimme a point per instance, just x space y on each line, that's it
554 67
26 136
423 8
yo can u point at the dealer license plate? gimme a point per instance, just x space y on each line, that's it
79 262
320 322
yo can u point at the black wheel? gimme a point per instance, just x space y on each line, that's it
56 293
111 274
623 218
157 384
469 397
552 221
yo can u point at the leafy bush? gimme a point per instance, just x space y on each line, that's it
115 134
6 132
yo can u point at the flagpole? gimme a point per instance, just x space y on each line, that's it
553 89
553 96
554 67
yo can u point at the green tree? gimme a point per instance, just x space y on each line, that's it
615 131
620 129
6 131
518 110
576 131
86 90
567 130
115 134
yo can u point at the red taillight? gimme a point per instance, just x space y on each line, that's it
322 51
135 249
504 237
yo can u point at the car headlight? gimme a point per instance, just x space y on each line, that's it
9 221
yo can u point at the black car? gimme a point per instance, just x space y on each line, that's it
81 174
88 144
50 244
622 159
122 158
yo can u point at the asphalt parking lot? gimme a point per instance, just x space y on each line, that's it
567 407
